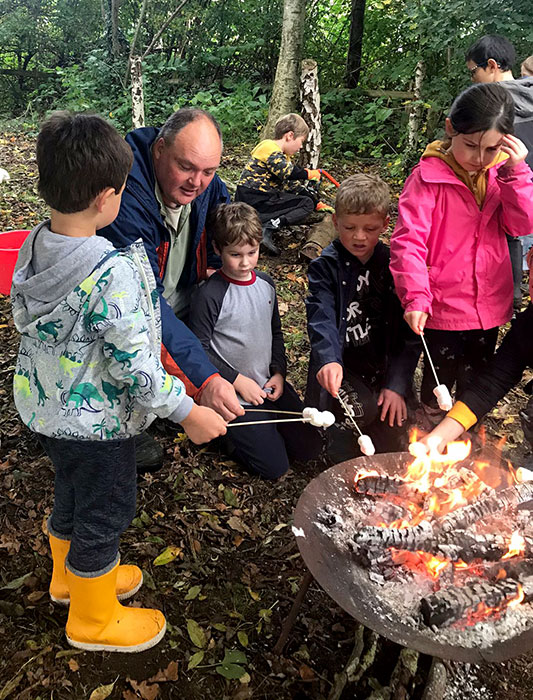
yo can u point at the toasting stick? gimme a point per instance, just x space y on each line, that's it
441 390
319 419
364 441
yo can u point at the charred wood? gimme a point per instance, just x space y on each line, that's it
411 538
453 603
499 500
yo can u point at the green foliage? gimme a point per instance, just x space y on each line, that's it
355 124
221 56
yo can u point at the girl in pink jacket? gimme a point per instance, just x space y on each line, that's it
449 256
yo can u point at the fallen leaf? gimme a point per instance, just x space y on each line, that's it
306 673
196 634
253 594
16 583
102 692
238 540
73 665
167 555
243 638
193 592
145 689
169 674
236 524
195 660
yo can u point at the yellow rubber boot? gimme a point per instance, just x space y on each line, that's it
129 577
98 622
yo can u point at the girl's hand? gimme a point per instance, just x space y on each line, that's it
515 149
394 404
250 391
276 384
416 320
329 376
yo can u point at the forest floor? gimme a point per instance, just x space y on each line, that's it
233 567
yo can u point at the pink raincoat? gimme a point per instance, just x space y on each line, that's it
450 258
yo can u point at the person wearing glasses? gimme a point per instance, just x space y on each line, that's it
490 60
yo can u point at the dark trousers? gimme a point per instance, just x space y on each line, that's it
289 207
457 356
363 398
95 492
267 449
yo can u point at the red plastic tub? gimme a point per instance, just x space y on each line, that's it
10 242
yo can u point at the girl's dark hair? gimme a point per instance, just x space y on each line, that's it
79 156
482 107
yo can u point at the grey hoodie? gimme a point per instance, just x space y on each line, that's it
89 363
522 93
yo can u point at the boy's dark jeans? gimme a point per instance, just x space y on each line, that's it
94 498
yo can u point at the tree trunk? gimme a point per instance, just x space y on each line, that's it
285 89
415 112
137 93
353 60
113 18
310 99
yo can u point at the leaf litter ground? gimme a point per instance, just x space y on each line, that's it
215 543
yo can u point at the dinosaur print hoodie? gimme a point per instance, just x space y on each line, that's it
89 366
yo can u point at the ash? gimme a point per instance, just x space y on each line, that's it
398 590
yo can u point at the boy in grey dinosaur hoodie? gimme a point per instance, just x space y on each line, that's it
89 377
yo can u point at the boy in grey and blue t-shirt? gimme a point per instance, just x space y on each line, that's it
235 315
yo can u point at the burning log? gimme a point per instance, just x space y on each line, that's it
453 603
411 538
380 485
487 505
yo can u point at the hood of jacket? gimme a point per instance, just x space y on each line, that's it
41 287
522 93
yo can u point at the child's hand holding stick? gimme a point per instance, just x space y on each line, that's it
203 424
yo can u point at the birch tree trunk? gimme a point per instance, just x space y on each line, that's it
415 112
353 60
137 92
310 100
286 83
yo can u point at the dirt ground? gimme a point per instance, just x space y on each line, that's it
232 565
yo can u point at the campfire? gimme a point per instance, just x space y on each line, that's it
439 542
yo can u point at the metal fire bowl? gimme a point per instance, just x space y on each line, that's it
348 583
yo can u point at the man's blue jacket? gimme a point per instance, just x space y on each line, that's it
140 217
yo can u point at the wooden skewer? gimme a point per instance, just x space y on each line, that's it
265 422
272 410
348 414
429 358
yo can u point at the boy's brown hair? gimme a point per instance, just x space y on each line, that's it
236 224
362 194
79 156
291 122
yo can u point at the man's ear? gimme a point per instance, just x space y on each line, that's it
289 135
492 65
386 222
101 198
158 148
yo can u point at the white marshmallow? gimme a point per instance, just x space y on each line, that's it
328 419
309 412
366 445
4 175
443 397
523 474
418 449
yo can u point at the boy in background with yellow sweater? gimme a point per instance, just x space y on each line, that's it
271 182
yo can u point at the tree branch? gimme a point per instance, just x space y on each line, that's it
165 25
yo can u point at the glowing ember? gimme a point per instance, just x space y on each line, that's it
421 503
